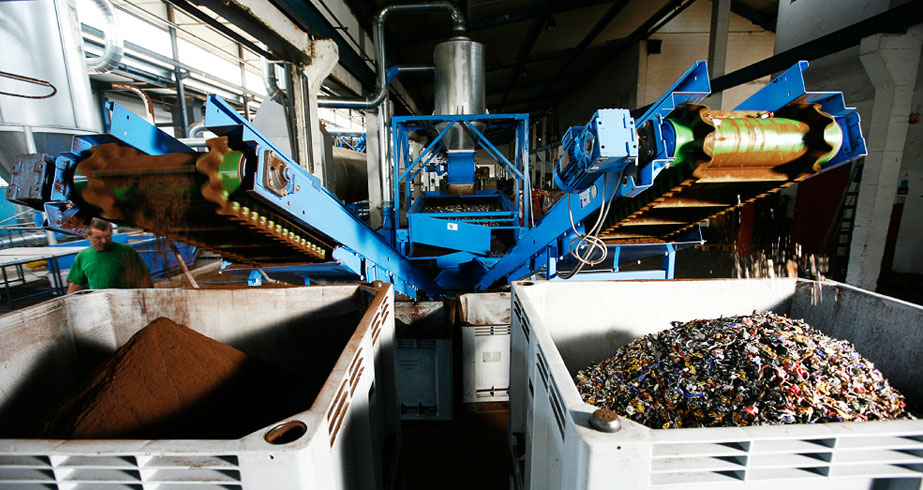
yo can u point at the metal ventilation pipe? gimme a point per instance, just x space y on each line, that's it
196 129
145 99
272 83
32 239
378 36
114 47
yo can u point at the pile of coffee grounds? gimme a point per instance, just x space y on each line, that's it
170 382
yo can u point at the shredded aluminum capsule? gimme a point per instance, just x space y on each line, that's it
748 370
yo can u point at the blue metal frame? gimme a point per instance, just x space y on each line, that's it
359 248
527 256
789 87
431 227
351 140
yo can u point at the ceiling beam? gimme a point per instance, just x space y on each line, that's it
753 15
654 23
598 28
553 55
474 25
524 50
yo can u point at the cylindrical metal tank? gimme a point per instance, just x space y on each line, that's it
351 175
459 83
43 41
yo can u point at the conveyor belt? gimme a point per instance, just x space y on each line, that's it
725 160
195 198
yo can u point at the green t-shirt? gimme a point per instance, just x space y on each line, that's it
118 267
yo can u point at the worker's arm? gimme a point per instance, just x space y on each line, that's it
76 279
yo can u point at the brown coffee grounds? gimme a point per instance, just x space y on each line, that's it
170 382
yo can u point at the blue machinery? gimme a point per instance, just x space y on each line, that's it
463 234
630 183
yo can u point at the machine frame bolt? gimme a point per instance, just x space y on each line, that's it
605 420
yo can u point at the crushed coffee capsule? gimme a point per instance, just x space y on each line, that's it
738 371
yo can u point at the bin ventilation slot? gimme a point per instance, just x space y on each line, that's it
378 320
112 462
26 475
862 457
880 442
202 461
376 326
9 461
189 476
521 318
489 392
878 471
93 475
337 411
487 331
701 449
696 478
554 398
426 344
774 446
355 372
542 366
125 471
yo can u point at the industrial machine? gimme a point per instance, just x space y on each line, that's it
630 182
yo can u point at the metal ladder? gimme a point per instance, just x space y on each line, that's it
841 226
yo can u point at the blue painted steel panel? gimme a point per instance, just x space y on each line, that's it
406 167
139 133
452 234
461 167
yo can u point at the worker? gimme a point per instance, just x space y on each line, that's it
107 264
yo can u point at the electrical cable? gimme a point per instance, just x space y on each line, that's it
590 240
34 81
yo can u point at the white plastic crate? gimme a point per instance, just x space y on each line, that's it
348 437
485 328
559 328
424 360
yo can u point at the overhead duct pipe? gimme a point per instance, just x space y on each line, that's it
145 99
114 45
378 35
272 83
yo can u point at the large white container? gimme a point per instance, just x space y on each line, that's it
559 328
485 328
348 438
424 360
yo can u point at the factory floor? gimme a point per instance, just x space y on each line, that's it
468 453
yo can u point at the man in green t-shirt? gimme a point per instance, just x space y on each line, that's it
107 264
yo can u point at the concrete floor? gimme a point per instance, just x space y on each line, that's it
469 452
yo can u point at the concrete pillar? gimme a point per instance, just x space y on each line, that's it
373 166
891 61
718 44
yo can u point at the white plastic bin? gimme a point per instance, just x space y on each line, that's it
348 437
424 360
485 328
559 328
